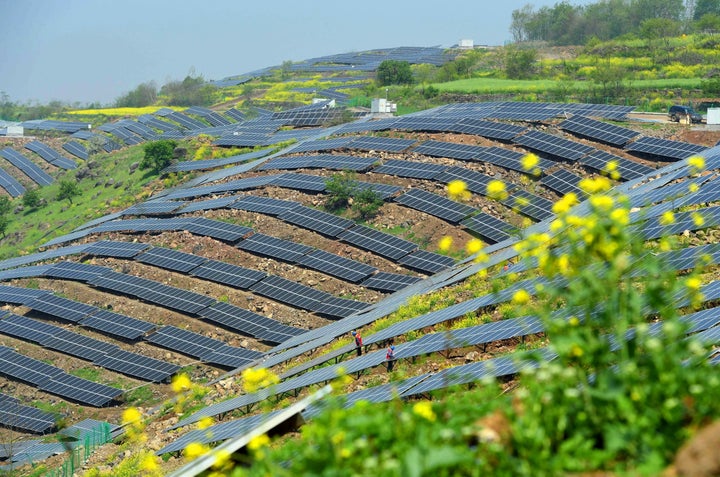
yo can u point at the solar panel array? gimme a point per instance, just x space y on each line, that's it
18 416
489 228
316 220
563 182
436 205
598 130
76 149
10 184
324 161
554 145
29 168
627 169
411 169
452 150
378 242
50 155
664 148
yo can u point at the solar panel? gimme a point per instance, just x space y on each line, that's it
436 205
185 120
427 262
627 169
563 182
264 205
342 163
24 272
316 220
664 147
29 168
19 366
75 271
274 247
81 390
109 248
412 169
321 145
60 307
27 329
235 114
118 325
489 228
529 204
299 181
598 130
203 205
512 160
452 150
10 184
336 265
184 341
283 163
171 259
389 282
304 297
231 357
554 145
76 149
162 125
218 230
185 166
249 323
384 144
475 181
153 207
138 366
78 345
24 418
419 123
228 274
383 191
488 129
18 295
50 155
378 242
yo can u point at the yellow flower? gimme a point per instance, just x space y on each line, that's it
693 187
255 379
457 190
696 163
693 283
149 462
521 297
131 415
205 422
576 351
473 246
529 163
593 186
258 442
556 224
574 321
564 204
194 450
445 243
698 219
180 383
602 203
424 410
621 216
221 456
496 190
667 218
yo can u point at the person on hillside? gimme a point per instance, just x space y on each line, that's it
358 342
390 357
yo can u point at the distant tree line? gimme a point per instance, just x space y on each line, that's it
566 24
191 91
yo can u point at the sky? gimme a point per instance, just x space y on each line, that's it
96 50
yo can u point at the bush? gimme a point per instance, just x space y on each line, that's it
68 189
158 154
340 188
31 198
366 203
394 72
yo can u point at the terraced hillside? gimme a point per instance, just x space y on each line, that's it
247 264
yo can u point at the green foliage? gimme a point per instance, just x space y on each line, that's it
191 91
366 203
711 86
31 198
140 395
158 154
4 224
340 188
5 205
520 62
91 374
68 189
145 94
394 72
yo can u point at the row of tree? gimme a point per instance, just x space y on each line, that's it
194 90
567 24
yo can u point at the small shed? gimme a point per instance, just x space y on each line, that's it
713 116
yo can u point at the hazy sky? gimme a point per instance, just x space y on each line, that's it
96 50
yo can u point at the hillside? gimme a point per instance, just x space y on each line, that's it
246 255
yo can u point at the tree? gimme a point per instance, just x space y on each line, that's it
192 91
520 62
5 204
339 188
705 7
158 154
708 22
31 198
68 189
4 223
394 72
609 78
144 94
520 19
658 31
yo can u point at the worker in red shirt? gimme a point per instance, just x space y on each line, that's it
358 342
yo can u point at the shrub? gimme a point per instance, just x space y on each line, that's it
158 154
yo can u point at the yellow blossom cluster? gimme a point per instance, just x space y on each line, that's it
255 379
457 190
424 409
530 163
696 164
496 190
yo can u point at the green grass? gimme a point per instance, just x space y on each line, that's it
31 228
507 86
91 374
